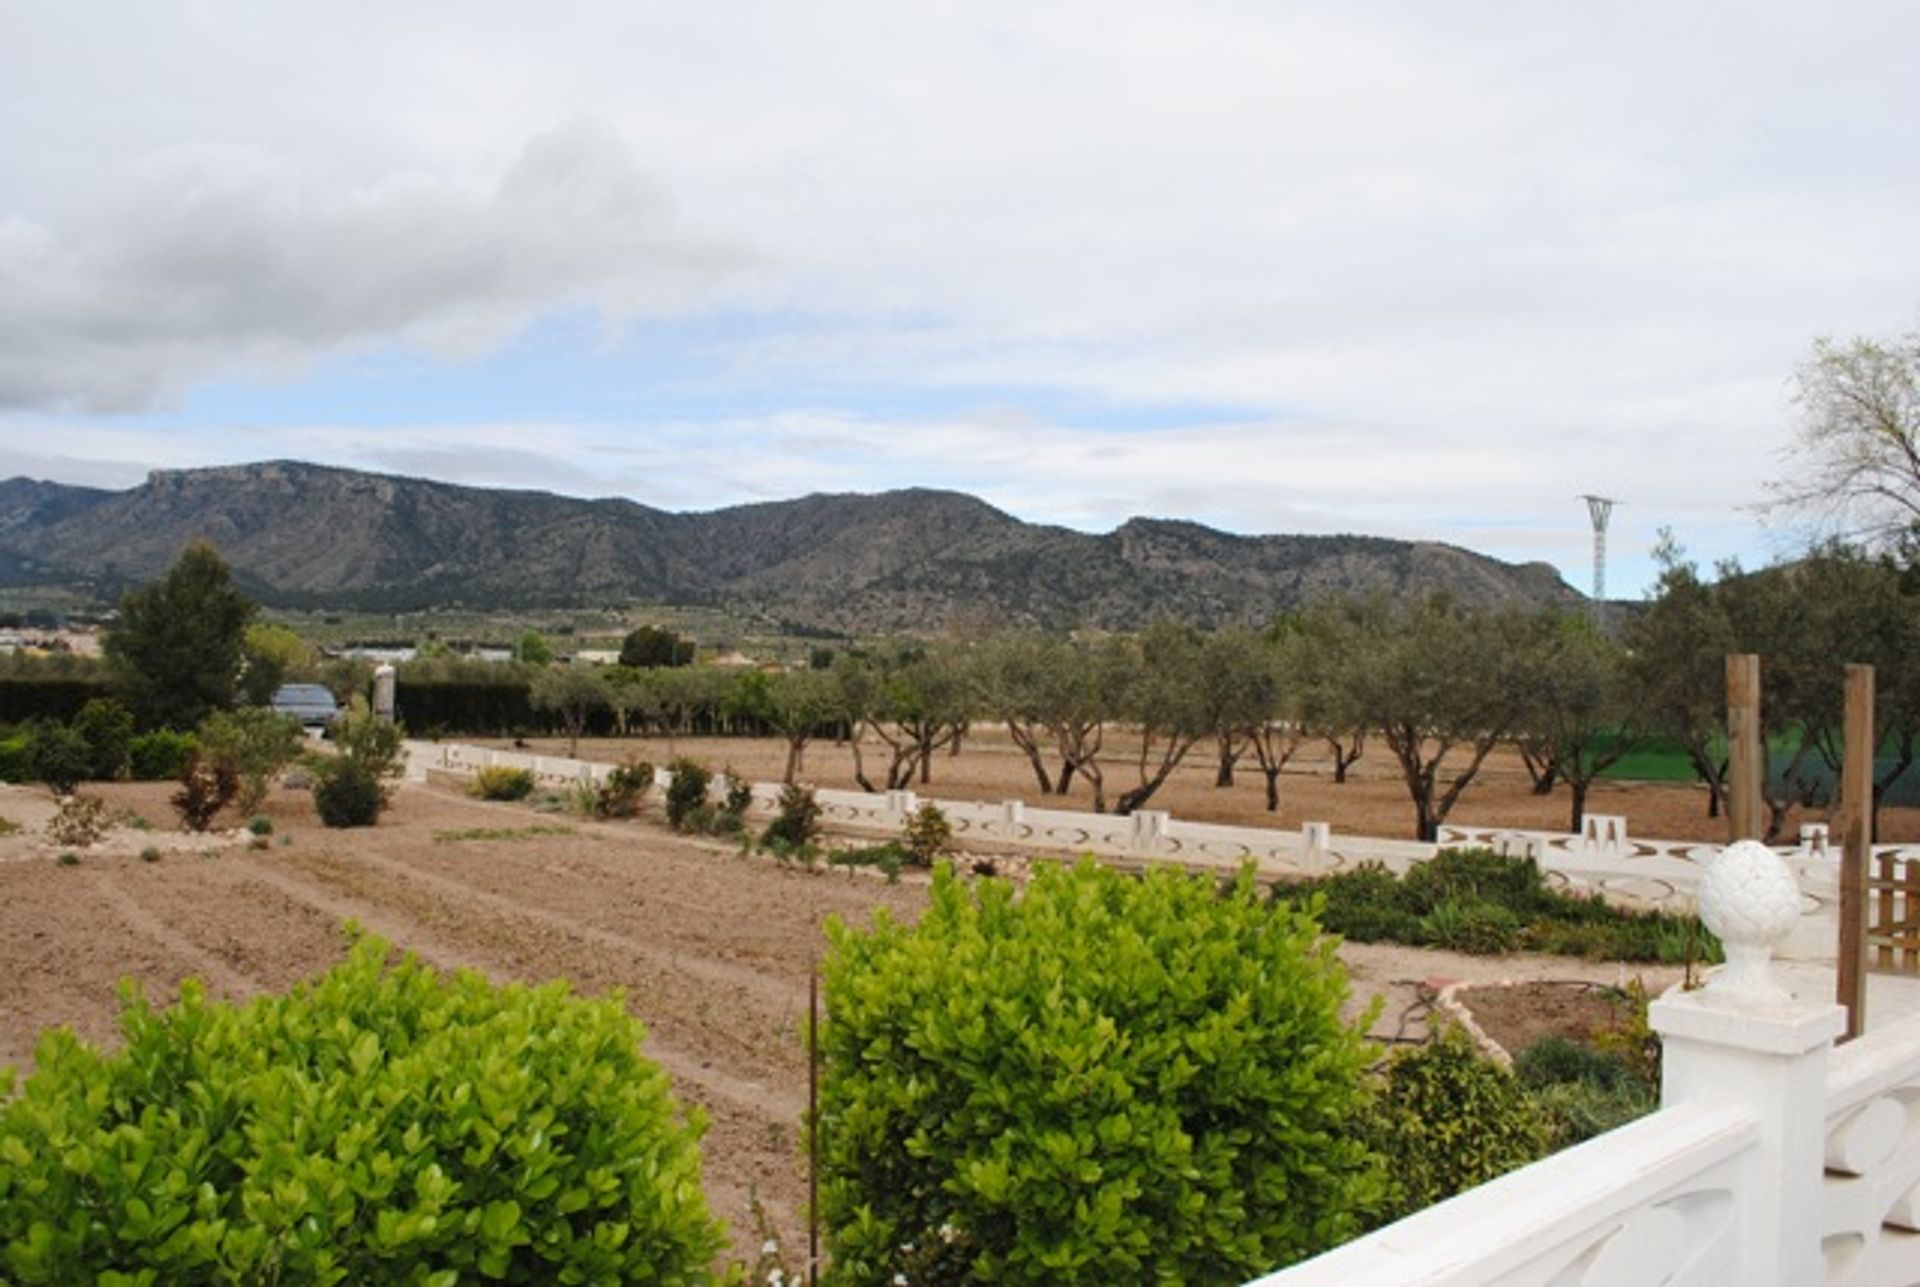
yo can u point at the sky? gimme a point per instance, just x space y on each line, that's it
1420 270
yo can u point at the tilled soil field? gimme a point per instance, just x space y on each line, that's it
712 949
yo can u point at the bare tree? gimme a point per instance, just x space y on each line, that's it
1857 462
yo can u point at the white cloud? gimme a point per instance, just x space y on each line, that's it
1456 263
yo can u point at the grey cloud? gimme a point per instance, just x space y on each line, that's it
220 260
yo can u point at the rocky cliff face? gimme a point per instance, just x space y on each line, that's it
912 559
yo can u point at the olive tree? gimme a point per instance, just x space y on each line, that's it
571 692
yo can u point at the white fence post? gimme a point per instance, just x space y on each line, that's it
1743 1039
1316 844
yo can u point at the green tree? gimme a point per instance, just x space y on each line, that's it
1180 691
571 692
258 743
1582 706
1678 648
797 705
176 653
1444 688
270 656
533 649
107 728
651 646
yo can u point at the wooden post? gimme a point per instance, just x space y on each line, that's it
1747 756
1856 839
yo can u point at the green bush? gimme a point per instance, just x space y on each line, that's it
1107 1079
687 791
498 782
1449 1119
16 756
1571 1112
379 1124
59 756
346 794
1469 925
927 835
797 823
160 756
259 743
206 786
260 825
107 728
626 786
1553 1060
1475 900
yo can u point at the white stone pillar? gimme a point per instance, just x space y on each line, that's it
383 687
1316 844
1744 1039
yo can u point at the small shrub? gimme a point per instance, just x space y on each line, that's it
258 742
150 854
626 786
68 858
739 798
107 728
928 835
687 792
59 755
1448 1119
159 756
889 857
80 821
1469 925
260 825
1475 875
206 787
16 756
1552 1060
498 782
796 824
346 794
399 1126
1105 1079
1572 1112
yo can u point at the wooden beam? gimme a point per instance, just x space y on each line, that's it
1856 839
1747 757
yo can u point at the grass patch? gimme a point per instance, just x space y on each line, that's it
8 827
499 833
1478 901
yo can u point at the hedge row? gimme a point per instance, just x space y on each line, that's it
31 697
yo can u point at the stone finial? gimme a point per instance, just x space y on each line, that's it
1750 899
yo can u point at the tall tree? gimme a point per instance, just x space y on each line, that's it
1173 702
1858 463
649 646
1678 648
571 692
176 653
1444 690
1582 708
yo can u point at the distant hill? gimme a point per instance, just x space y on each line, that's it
308 535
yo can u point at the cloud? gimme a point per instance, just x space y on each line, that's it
207 260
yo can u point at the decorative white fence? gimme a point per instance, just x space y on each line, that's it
1776 1160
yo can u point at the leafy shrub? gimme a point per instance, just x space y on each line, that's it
150 854
59 755
1476 900
258 742
626 786
890 857
1571 1112
80 821
1468 925
927 835
379 1124
1448 1119
349 788
16 756
1553 1060
160 755
207 786
797 823
260 825
738 800
687 791
68 858
498 782
1109 1079
107 728
346 794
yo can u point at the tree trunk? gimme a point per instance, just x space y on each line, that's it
1066 778
1273 789
795 749
1231 749
1030 747
1578 789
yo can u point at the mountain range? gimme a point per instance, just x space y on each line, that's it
302 535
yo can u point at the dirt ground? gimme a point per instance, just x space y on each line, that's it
1372 802
712 949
